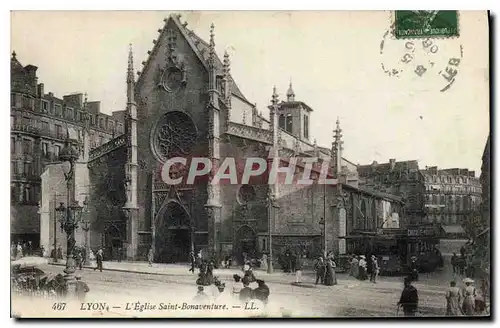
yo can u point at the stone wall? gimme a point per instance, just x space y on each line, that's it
153 102
107 198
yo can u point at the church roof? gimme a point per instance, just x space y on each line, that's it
14 62
200 48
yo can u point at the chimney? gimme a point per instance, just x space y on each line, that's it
392 163
51 95
40 90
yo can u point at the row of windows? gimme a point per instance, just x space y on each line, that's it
458 189
448 179
28 148
27 168
397 176
69 113
23 193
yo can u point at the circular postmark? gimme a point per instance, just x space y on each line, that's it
432 63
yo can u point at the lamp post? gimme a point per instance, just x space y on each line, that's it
86 225
271 200
70 215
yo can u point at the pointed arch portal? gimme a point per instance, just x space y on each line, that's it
173 234
246 242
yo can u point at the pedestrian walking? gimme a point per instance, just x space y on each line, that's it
78 259
19 252
246 293
150 257
92 259
299 263
237 286
362 268
13 249
414 268
453 300
462 263
99 259
334 268
355 266
409 299
454 263
319 268
81 288
210 273
330 278
192 261
375 269
263 262
261 292
59 253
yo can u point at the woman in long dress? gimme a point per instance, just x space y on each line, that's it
355 266
329 275
468 305
263 262
453 299
92 259
362 268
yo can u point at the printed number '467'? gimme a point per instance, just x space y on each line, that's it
59 306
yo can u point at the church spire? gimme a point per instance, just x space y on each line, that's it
130 67
290 95
211 48
336 156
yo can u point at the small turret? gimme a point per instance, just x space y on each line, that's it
290 94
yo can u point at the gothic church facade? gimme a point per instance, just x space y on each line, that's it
185 103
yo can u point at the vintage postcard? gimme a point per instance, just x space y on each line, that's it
315 164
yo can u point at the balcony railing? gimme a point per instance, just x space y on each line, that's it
24 176
38 131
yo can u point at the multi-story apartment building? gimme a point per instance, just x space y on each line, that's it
485 180
451 195
398 178
40 124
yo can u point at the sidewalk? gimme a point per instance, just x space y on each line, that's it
167 269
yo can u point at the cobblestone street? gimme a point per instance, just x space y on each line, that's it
169 284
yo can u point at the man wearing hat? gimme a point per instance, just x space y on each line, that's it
409 299
319 267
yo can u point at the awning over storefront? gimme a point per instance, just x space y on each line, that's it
453 229
24 219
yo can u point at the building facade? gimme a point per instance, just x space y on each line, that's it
402 179
40 124
186 104
451 195
485 180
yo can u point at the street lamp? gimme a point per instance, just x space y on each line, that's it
271 212
70 215
86 225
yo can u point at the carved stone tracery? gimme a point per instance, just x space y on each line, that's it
175 135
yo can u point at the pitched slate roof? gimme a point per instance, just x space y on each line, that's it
199 47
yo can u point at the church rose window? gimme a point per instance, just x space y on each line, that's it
246 194
174 136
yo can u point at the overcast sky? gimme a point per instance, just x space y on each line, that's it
333 58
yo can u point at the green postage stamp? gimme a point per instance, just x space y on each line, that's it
425 23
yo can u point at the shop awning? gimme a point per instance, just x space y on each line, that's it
454 229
